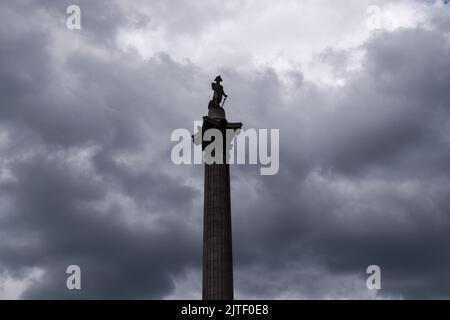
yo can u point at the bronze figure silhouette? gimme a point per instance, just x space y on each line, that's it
218 94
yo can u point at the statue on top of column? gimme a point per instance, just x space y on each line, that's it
218 94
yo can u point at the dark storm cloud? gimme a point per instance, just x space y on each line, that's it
86 177
60 212
394 106
365 179
67 230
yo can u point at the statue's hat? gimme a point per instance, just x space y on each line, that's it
218 79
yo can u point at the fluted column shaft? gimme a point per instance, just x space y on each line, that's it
217 237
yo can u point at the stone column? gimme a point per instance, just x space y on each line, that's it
217 236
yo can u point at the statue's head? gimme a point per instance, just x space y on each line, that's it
218 79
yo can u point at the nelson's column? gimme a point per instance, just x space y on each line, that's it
217 236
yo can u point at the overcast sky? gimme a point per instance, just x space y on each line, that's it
86 176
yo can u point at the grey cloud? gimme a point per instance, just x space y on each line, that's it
364 182
363 172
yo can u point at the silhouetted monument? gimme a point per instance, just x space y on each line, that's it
218 93
217 235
